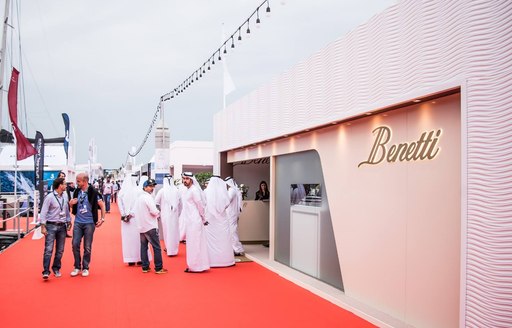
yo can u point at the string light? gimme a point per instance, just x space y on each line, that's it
201 70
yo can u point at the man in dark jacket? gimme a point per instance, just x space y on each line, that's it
85 205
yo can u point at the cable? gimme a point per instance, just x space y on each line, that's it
180 88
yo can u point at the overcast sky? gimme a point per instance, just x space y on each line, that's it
107 62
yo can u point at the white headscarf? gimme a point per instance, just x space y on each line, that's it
142 179
232 183
128 193
217 199
196 183
170 191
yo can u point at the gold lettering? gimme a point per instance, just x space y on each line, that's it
426 147
392 154
383 132
434 143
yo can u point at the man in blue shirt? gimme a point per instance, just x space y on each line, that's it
55 221
85 205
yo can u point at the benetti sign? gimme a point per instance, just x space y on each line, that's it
425 148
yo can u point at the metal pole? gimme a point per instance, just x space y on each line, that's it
2 56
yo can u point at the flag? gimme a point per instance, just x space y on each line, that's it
229 86
65 117
23 147
39 166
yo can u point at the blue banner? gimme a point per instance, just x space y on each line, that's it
65 117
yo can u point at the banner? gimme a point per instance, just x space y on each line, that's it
39 167
65 117
23 147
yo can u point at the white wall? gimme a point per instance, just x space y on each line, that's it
194 153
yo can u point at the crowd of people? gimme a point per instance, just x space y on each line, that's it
205 220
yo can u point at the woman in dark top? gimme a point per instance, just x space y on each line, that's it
262 193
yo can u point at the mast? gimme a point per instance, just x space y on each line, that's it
2 56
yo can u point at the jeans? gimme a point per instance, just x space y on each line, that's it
85 230
56 235
150 236
106 199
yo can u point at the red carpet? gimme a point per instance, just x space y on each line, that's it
115 295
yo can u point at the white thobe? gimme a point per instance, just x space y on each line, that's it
130 237
220 250
193 215
169 203
233 212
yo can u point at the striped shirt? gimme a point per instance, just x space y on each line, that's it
55 208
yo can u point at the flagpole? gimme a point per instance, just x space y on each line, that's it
3 57
16 207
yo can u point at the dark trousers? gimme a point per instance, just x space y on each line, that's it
146 238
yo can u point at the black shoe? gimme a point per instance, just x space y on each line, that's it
131 264
139 263
239 254
69 236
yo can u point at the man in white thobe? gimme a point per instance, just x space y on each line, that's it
193 214
218 233
168 199
130 237
234 209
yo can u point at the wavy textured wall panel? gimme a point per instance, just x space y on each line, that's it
412 47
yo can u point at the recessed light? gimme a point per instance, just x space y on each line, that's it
417 100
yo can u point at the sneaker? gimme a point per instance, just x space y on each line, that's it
45 276
75 272
85 273
161 271
146 270
57 274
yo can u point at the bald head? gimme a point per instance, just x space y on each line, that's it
82 181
